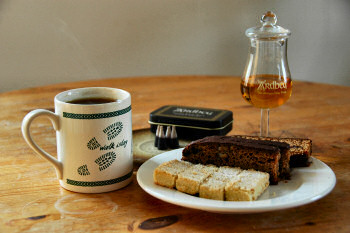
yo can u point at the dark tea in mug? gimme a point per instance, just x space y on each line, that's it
93 101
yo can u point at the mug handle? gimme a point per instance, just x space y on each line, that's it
28 138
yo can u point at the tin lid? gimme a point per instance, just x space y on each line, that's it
192 117
268 29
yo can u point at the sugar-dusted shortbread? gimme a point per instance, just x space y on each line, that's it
211 182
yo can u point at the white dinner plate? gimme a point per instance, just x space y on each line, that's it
307 184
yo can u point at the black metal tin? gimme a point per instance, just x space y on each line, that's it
192 122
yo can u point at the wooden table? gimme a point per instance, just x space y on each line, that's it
31 199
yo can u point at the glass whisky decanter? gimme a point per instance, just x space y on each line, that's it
266 82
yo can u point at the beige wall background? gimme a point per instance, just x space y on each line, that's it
53 41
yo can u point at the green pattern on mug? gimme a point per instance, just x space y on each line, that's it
83 170
104 161
113 130
96 115
99 183
93 144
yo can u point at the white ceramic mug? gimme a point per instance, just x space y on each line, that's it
94 142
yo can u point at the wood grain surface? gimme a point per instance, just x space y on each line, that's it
31 199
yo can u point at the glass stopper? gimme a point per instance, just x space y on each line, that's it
268 19
268 28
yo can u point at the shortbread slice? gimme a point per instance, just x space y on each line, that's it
250 185
167 173
214 186
190 180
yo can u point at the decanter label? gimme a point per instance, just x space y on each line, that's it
263 85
